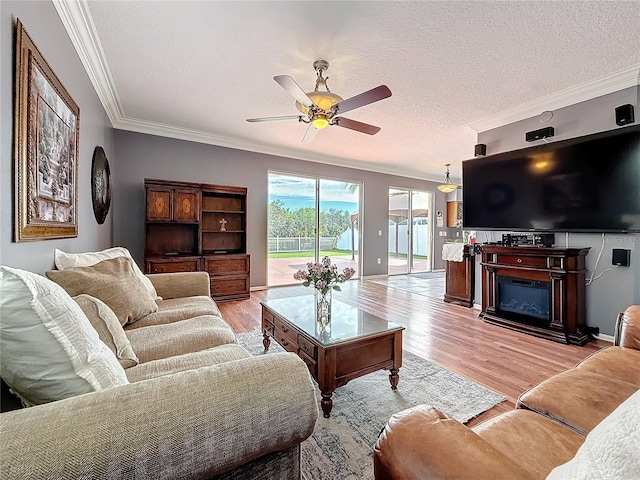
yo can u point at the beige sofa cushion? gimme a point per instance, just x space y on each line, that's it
188 361
185 336
177 309
109 329
65 260
48 349
114 282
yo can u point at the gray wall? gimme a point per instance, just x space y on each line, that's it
45 28
618 288
146 156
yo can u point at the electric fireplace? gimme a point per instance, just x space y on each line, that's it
536 290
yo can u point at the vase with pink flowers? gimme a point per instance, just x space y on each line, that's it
324 277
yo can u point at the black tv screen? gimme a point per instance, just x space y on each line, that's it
586 184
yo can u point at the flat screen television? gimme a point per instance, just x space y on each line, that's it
585 184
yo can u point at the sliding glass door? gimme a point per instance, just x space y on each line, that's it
410 231
308 218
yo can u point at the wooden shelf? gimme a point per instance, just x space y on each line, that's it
230 212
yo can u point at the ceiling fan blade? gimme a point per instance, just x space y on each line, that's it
310 134
290 85
365 98
268 119
357 126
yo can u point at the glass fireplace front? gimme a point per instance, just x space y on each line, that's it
524 299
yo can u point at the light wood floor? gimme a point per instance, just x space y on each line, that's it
454 337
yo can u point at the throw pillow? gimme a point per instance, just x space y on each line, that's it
109 329
70 260
112 281
48 349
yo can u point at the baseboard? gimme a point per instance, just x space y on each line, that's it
606 338
257 289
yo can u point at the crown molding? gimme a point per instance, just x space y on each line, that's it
78 23
629 77
179 133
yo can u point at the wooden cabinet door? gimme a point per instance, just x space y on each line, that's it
185 206
159 204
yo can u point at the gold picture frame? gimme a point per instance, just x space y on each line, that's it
47 132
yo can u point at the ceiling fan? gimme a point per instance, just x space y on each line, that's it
321 108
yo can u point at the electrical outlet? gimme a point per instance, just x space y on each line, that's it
379 233
379 261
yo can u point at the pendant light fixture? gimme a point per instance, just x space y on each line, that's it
447 186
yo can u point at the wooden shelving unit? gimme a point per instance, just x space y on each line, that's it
199 227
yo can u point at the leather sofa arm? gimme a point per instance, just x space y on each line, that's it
194 424
627 333
181 284
423 443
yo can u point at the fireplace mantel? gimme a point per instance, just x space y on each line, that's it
565 272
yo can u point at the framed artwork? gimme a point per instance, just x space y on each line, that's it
47 129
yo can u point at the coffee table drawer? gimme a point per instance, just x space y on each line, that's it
268 328
311 364
286 342
307 347
267 316
285 331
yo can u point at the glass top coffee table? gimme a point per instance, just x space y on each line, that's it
352 344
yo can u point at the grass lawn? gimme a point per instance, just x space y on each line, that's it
323 253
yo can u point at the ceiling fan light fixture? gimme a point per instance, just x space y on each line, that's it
324 100
447 186
320 121
321 108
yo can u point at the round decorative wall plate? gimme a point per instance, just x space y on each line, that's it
100 185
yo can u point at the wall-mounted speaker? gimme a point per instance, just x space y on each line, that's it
534 135
480 149
624 114
621 257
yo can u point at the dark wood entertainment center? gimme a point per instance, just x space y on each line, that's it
194 227
559 271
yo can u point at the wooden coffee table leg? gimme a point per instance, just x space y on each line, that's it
394 378
326 403
266 341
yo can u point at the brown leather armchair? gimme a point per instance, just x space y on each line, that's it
546 430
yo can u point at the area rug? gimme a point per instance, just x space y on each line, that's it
341 447
428 275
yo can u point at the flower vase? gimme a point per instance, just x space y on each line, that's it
323 307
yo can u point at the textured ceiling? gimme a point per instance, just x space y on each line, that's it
197 70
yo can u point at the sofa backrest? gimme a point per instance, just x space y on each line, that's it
628 328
